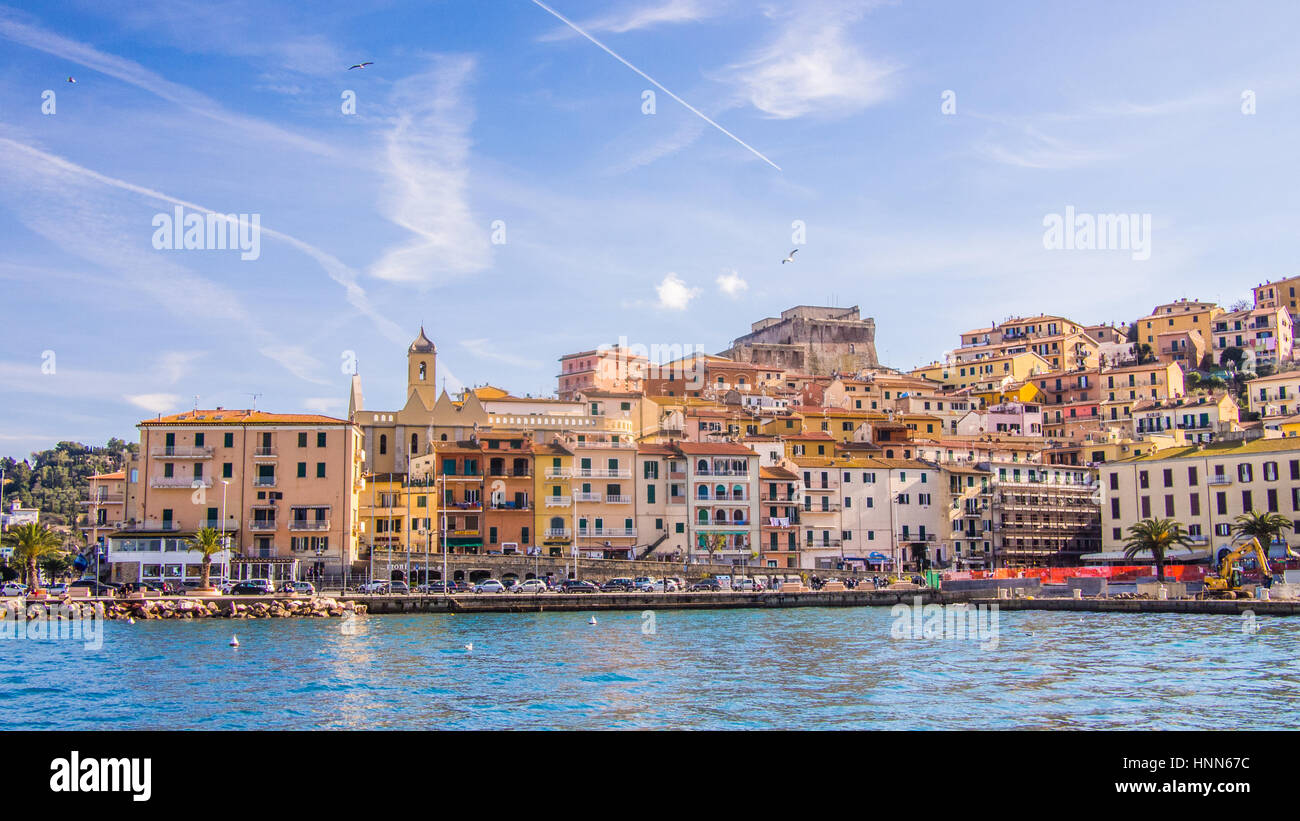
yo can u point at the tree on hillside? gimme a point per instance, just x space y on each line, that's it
1234 355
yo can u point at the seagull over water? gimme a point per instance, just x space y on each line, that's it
791 257
362 65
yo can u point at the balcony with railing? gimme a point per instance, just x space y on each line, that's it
181 452
916 538
264 453
309 524
816 543
103 499
558 473
604 473
612 532
264 481
558 532
618 500
580 496
179 482
559 501
1220 479
262 525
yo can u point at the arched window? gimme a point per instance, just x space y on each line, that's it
557 523
702 492
721 517
702 466
421 371
720 492
383 443
415 444
738 492
443 437
704 517
738 516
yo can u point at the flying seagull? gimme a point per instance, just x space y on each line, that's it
362 65
791 257
72 79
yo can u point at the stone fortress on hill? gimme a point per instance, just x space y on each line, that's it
810 339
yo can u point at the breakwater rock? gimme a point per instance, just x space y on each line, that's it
183 609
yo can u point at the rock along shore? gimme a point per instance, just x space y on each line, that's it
181 608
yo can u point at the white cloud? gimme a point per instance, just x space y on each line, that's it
427 178
632 19
813 66
674 294
323 404
153 402
128 71
731 284
488 350
174 366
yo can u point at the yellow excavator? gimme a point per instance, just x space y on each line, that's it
1225 580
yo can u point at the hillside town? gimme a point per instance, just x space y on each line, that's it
1034 442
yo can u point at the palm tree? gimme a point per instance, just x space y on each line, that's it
208 542
32 544
1266 527
1155 536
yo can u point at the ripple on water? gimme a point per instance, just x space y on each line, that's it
709 669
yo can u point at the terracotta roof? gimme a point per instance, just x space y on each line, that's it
777 473
242 417
656 449
121 474
714 449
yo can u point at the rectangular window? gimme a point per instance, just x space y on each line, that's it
1114 508
1169 505
1272 500
1191 476
1146 507
1221 503
302 440
1142 479
1114 481
302 470
227 470
1194 502
320 440
1247 502
320 470
1169 477
229 440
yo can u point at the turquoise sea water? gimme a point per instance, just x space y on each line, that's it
725 669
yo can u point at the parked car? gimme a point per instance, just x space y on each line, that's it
13 589
58 589
664 585
705 585
744 583
578 586
93 587
398 587
618 586
530 586
299 588
252 587
373 587
489 586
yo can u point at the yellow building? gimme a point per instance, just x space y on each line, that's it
1177 317
1279 294
986 373
1122 387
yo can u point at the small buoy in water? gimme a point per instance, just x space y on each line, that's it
130 621
234 641
591 620
469 648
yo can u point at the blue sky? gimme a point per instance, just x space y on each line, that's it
654 227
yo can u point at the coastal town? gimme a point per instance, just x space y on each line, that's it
1034 444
